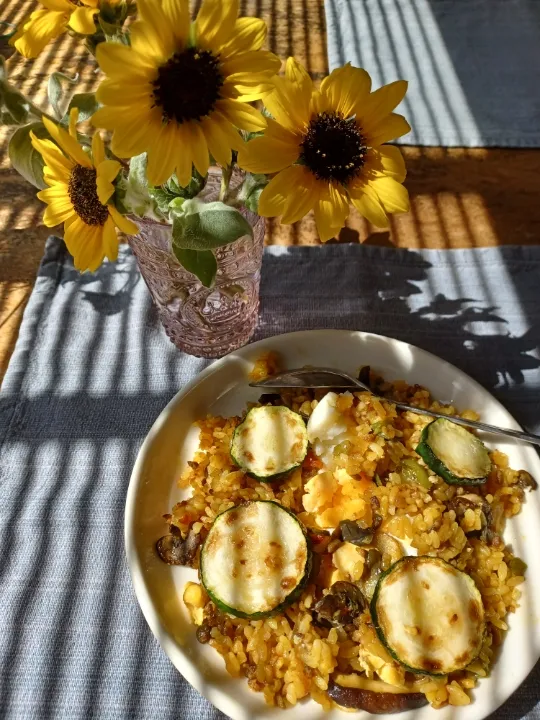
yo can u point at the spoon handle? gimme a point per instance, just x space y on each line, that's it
535 439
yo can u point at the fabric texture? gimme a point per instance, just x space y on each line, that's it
92 370
472 65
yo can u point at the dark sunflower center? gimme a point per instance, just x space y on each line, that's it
333 148
188 85
83 194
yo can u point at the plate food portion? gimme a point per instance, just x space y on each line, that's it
346 551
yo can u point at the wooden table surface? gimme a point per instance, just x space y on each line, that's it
459 197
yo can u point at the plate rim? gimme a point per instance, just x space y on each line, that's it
189 671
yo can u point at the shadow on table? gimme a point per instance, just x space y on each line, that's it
398 300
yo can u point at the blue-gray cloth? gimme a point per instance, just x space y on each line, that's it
473 65
92 370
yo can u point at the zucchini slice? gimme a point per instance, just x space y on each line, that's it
453 453
428 615
255 560
270 442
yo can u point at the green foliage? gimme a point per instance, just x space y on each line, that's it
24 158
58 93
199 228
252 188
86 103
15 109
202 263
133 191
205 226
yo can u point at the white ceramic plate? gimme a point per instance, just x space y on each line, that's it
222 389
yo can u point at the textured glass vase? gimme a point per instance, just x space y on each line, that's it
206 322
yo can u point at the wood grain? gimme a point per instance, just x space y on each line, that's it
460 198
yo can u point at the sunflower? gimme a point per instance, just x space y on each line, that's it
327 149
180 91
78 194
50 21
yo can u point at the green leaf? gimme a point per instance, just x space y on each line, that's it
252 189
203 226
24 158
134 190
56 92
86 103
14 107
202 263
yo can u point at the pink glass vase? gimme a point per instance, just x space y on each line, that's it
205 322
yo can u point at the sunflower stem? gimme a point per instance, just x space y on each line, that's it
226 173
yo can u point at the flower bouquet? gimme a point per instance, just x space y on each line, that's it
206 138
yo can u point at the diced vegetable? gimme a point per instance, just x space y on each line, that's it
428 615
413 472
454 453
270 442
255 560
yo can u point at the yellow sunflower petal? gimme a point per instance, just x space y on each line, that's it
183 160
248 34
250 63
286 106
58 5
84 243
68 144
297 75
267 155
161 155
118 92
331 210
393 126
38 30
274 196
52 156
241 115
367 202
393 196
199 147
387 160
126 226
110 239
302 200
107 170
345 88
246 93
59 191
105 189
221 137
82 20
216 140
120 60
56 214
379 104
215 22
73 120
152 35
177 12
98 150
133 131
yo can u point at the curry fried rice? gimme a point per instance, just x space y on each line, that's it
375 476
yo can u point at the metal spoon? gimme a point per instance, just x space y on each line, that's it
316 377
